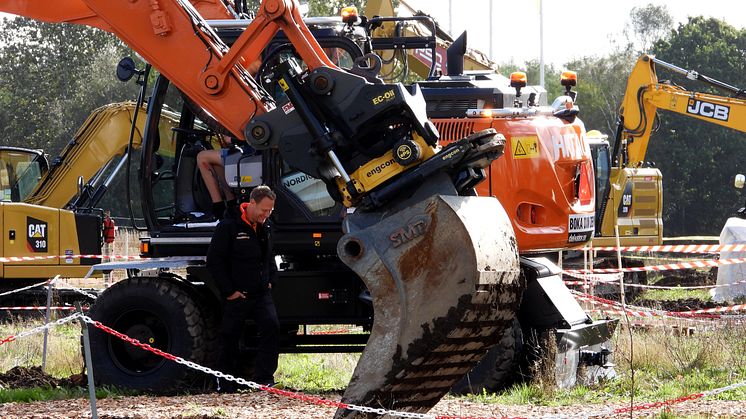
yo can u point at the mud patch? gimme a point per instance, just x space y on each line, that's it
689 278
27 377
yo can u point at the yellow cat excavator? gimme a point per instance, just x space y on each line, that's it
40 199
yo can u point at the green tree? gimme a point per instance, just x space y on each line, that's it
601 84
698 160
648 24
53 76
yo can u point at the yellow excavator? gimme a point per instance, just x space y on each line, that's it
630 193
47 209
37 198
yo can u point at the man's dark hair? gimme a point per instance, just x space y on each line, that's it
261 192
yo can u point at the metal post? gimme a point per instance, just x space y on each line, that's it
541 43
88 363
619 263
47 317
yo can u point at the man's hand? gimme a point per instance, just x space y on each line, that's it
235 295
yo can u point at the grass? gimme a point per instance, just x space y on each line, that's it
33 394
674 294
316 372
63 348
665 365
652 365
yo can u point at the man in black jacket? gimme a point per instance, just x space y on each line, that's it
241 262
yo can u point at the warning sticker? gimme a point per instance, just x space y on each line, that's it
580 227
525 147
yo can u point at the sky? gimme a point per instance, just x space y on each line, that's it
572 29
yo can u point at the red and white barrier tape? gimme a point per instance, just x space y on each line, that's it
647 312
678 248
49 257
678 287
615 281
705 263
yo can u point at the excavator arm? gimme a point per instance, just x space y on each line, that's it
445 287
645 95
633 200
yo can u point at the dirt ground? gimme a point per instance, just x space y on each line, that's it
264 405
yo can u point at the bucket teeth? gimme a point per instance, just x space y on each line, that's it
444 277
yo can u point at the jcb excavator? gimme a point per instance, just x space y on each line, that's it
416 265
632 198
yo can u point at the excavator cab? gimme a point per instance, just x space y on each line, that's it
21 169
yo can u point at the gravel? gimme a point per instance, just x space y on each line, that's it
263 405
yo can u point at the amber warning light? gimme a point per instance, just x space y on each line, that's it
518 79
569 78
348 13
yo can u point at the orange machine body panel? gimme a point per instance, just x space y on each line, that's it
537 179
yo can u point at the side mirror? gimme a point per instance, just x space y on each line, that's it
126 69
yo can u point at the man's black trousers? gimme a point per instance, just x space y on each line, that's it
261 309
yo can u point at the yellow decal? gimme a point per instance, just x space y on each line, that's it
246 179
403 152
377 169
384 97
525 147
283 84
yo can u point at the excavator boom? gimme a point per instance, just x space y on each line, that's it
645 95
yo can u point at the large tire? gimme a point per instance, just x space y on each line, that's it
498 370
157 311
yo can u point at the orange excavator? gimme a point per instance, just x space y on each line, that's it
433 283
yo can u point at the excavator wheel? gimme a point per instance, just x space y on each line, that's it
444 277
498 370
156 311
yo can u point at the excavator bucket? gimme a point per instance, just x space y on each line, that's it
443 274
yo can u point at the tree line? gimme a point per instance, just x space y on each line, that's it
54 75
